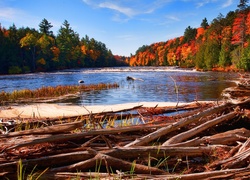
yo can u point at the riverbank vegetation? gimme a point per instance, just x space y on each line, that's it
224 44
48 93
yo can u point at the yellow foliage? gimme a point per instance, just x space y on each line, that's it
41 61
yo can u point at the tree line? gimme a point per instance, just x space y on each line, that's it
223 43
24 50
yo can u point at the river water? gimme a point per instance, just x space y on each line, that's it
153 84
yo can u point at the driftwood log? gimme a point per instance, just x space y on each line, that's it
201 141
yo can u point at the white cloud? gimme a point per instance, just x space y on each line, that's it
124 10
8 14
227 3
20 18
129 8
126 37
171 17
202 3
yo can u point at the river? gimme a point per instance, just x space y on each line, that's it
153 84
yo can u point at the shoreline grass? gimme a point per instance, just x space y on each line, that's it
52 92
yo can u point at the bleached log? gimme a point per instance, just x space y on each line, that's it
237 161
55 129
67 137
225 138
196 130
49 161
220 174
183 122
114 163
157 151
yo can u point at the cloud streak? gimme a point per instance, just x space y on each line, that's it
227 3
124 10
128 8
8 14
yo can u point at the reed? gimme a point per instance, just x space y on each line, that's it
50 92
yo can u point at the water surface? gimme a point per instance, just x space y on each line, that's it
158 84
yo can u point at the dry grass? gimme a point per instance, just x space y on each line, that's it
50 92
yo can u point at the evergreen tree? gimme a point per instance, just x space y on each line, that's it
189 34
45 27
204 23
67 39
211 54
243 4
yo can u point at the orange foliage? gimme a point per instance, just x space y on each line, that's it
176 52
238 29
56 51
200 31
84 49
248 24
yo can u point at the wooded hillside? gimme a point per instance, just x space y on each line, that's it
224 43
29 50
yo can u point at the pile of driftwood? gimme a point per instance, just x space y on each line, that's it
200 140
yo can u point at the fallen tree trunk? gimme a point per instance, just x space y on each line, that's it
49 161
225 138
196 130
158 151
110 162
240 159
220 174
55 129
163 131
67 137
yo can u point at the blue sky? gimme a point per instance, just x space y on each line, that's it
123 25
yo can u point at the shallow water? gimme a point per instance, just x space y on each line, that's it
158 84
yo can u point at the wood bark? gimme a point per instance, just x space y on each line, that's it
196 130
164 130
55 129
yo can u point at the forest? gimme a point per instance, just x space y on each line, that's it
27 50
224 44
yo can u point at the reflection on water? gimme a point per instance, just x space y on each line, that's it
158 84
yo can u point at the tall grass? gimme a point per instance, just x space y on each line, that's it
48 92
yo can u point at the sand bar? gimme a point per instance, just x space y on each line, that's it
44 110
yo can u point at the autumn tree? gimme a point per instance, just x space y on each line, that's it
239 30
30 43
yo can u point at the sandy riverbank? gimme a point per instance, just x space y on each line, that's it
44 110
